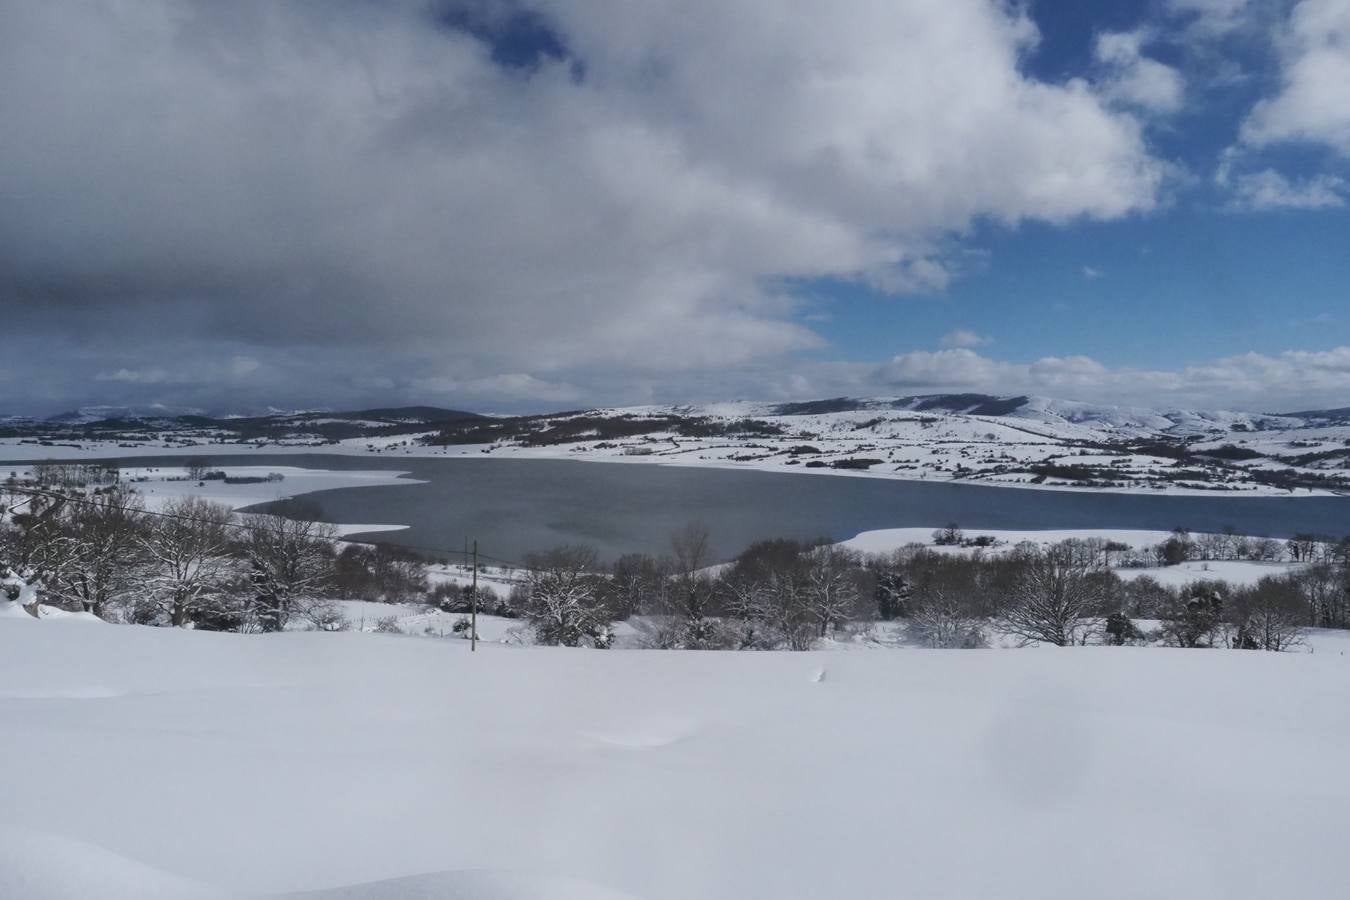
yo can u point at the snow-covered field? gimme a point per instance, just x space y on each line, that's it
421 619
166 763
1235 572
885 540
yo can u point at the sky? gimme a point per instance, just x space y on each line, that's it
528 205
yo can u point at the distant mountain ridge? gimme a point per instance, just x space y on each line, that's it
1048 409
117 423
968 437
965 404
1055 411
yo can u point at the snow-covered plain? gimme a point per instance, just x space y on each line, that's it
166 763
886 540
1235 572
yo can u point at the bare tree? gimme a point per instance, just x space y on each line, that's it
100 574
831 593
197 468
562 598
771 611
1194 617
1267 616
949 535
1265 549
691 594
188 562
1176 549
1053 599
34 539
1302 546
750 604
1327 604
639 583
291 566
766 595
941 621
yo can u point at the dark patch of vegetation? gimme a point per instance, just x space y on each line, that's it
855 463
818 407
1231 452
542 431
971 404
1069 472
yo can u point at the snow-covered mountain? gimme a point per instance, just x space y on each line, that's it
972 437
1053 411
89 415
1044 410
1014 440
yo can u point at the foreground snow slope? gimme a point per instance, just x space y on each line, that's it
282 763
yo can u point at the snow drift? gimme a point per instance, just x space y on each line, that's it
164 763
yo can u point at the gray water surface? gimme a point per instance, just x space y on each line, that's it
514 507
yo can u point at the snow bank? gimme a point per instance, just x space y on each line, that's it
37 866
1235 572
165 484
886 540
292 762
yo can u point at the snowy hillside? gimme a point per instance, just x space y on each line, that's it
1019 441
168 763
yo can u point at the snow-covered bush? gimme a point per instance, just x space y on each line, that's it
388 625
941 622
562 598
19 591
188 561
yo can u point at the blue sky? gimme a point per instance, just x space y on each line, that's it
1176 286
534 204
1197 278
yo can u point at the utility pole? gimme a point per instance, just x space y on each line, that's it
473 620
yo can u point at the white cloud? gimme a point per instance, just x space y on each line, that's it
135 376
197 371
1250 380
1091 273
1211 17
1313 103
959 369
1133 78
1269 189
243 366
320 183
964 337
511 387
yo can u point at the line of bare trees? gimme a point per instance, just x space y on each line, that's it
196 563
778 594
785 594
191 563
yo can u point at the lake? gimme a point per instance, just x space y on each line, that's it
516 506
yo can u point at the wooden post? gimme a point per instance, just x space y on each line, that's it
473 616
